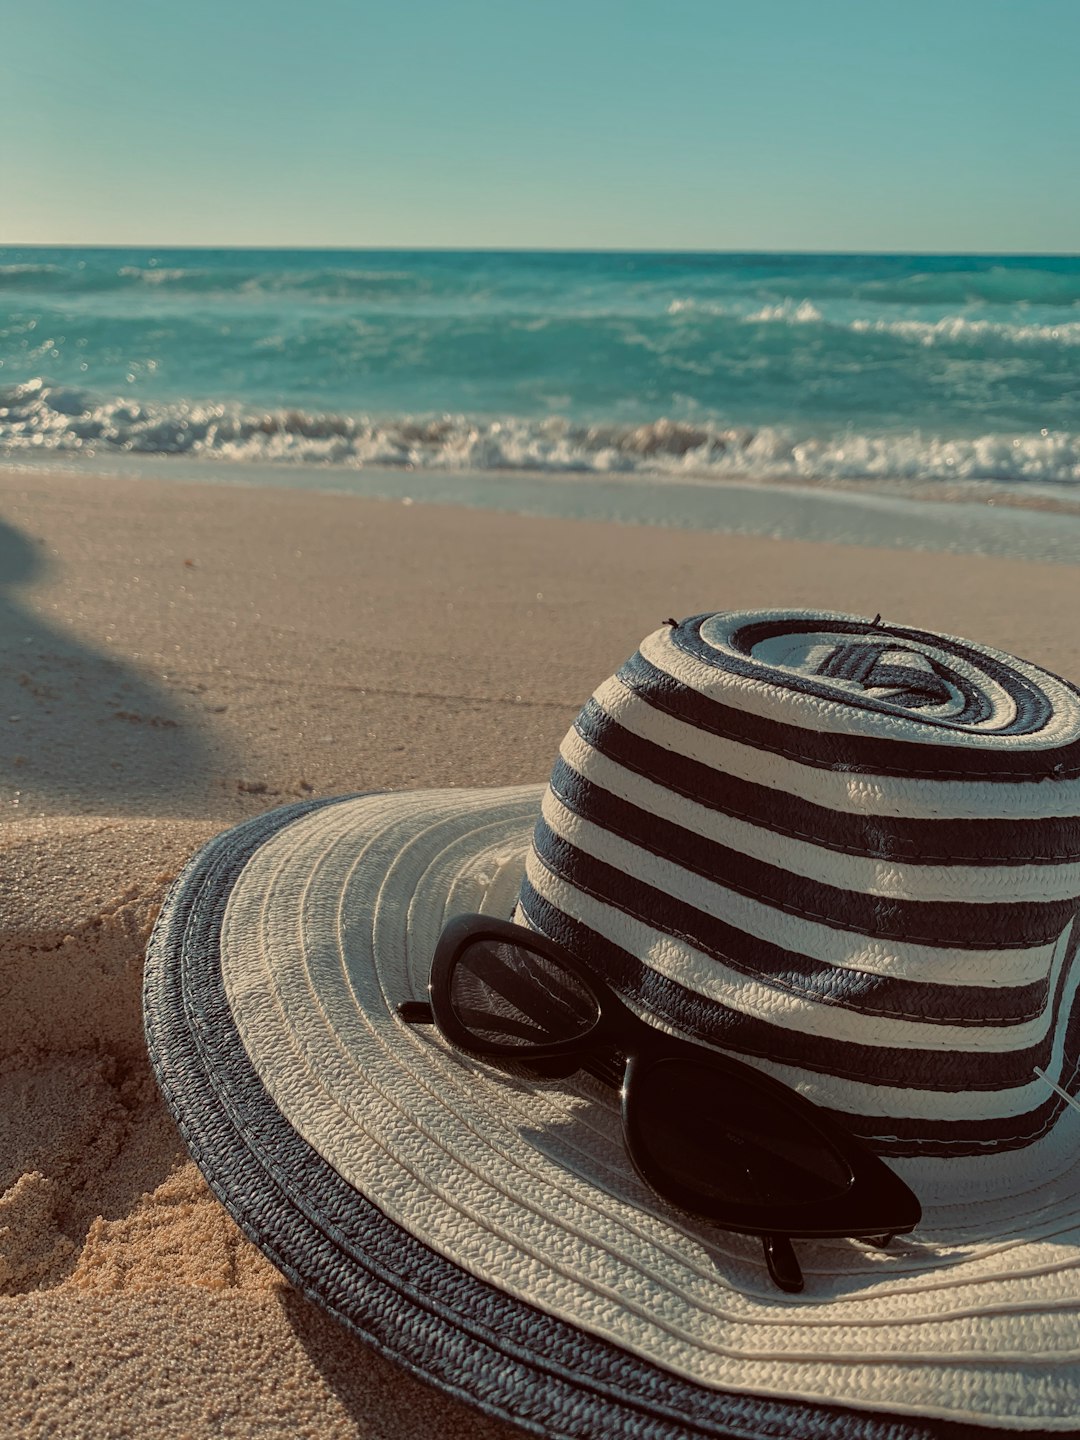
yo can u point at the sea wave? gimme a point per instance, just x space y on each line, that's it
947 329
14 276
43 417
690 305
787 312
322 282
962 329
996 285
999 286
164 275
874 285
1054 283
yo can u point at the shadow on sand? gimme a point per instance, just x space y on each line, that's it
76 724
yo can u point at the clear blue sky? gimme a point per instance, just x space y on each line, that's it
683 124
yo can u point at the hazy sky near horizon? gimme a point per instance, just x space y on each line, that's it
906 125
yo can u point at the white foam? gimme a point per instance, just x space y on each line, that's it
39 416
164 275
953 328
946 330
788 312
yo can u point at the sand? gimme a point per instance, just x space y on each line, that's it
176 657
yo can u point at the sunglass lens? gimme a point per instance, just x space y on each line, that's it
732 1143
509 995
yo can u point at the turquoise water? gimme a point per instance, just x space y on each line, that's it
803 366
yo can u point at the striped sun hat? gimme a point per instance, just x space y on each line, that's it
843 851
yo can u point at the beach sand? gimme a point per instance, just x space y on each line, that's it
176 657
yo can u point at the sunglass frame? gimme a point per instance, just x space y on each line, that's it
875 1202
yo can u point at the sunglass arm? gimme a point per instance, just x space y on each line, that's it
415 1012
782 1262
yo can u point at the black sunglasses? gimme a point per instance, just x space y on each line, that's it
712 1135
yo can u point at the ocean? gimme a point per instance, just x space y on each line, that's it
693 366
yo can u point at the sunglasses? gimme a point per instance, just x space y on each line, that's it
706 1132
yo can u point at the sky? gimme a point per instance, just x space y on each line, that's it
858 125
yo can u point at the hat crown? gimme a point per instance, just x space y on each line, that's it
847 852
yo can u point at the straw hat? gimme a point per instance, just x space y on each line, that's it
842 852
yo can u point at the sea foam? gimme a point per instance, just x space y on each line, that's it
38 416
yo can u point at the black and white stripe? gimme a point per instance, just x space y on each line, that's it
848 851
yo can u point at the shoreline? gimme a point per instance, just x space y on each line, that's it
1023 495
176 657
969 516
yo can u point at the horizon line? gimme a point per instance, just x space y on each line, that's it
545 250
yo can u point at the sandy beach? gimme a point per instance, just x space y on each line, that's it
176 657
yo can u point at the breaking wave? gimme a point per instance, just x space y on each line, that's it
947 329
28 275
787 312
37 416
959 328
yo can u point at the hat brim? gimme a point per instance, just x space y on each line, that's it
489 1235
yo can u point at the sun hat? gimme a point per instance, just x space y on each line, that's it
845 852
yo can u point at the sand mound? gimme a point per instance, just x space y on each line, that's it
130 1303
95 1184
